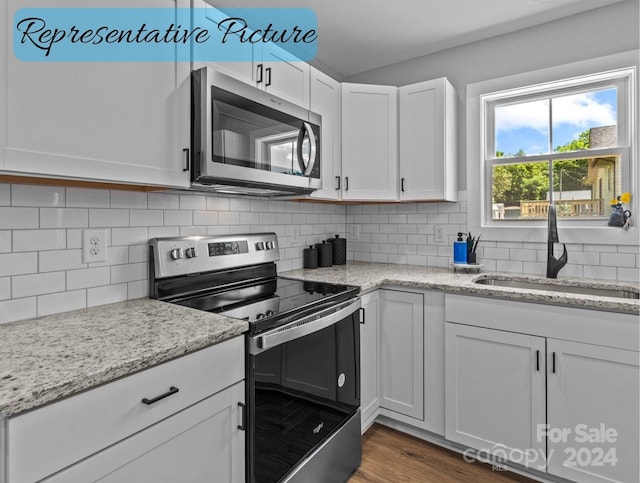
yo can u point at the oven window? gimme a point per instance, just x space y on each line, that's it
304 390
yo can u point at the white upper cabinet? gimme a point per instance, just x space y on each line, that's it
427 141
124 122
270 69
369 142
326 100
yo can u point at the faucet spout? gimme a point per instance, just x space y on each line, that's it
554 265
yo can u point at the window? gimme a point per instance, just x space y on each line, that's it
564 142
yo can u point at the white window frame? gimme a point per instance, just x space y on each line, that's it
618 69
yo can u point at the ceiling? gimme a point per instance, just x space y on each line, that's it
359 35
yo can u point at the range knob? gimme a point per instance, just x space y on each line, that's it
260 246
176 254
260 316
191 252
271 245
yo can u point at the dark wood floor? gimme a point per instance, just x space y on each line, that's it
391 456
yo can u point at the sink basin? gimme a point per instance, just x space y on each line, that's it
618 292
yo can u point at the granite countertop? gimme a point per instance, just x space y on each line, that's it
48 358
369 276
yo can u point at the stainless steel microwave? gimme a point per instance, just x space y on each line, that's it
244 140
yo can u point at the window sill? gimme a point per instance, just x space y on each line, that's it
606 235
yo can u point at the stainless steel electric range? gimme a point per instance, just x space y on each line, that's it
302 351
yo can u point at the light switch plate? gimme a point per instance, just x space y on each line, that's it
94 246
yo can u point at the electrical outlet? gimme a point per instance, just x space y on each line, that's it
354 231
439 236
94 246
295 234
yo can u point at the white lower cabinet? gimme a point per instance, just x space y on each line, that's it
592 411
402 353
495 391
402 358
178 421
369 367
201 443
567 407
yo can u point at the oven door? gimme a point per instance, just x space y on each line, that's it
303 384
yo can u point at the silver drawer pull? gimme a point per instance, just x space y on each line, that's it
172 390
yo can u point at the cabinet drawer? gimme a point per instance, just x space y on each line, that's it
50 438
566 323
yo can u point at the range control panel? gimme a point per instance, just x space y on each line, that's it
195 254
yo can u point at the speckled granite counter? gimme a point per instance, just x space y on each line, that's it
369 276
45 359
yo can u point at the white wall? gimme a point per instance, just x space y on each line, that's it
41 269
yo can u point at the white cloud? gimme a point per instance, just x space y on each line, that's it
580 110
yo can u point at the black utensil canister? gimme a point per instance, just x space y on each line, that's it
310 257
339 250
325 254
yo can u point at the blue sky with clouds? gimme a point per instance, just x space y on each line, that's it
526 125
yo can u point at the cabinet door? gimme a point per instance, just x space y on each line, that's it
593 397
369 373
201 443
369 142
402 353
113 121
283 77
495 392
326 100
427 143
243 71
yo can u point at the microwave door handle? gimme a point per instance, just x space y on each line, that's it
306 127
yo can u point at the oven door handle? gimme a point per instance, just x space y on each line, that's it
302 327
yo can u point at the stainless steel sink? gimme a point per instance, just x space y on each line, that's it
623 293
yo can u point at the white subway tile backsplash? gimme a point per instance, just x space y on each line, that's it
389 233
16 218
193 202
88 277
146 218
5 288
138 289
129 236
51 261
89 198
18 263
39 240
604 273
37 284
617 260
128 199
34 195
629 274
64 218
106 295
5 241
102 218
205 218
178 218
17 309
129 273
61 302
163 201
5 194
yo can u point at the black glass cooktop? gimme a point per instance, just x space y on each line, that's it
266 303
